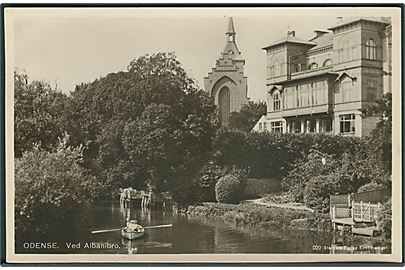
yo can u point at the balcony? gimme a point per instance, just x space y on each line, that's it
324 108
308 73
311 72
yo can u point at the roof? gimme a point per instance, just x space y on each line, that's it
356 19
306 75
274 86
344 74
231 29
290 39
322 41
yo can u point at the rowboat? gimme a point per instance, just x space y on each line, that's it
132 234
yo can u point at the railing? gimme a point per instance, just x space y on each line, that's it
365 211
337 213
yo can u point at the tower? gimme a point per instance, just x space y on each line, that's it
226 83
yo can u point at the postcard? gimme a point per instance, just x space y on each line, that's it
156 134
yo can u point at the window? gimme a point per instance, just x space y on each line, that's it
347 52
304 95
318 93
277 70
340 58
371 90
371 50
313 66
310 126
276 102
230 52
295 126
260 126
264 126
325 125
347 123
297 96
327 63
277 127
289 98
337 88
347 91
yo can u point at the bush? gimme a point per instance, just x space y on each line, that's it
229 189
305 170
209 176
384 219
206 181
314 178
256 188
369 187
49 185
319 188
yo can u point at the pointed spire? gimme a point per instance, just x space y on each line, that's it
230 46
231 29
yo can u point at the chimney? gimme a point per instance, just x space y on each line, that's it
319 32
291 33
339 20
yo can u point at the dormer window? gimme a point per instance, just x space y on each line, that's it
231 52
276 102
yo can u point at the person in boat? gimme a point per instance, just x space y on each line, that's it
133 226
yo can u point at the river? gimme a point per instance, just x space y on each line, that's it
187 235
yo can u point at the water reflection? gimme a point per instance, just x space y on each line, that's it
188 235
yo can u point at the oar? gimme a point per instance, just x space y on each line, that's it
158 226
103 231
149 227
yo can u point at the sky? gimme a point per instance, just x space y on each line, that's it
71 47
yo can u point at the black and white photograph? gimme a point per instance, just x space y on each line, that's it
203 134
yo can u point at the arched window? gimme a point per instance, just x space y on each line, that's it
327 63
276 102
371 50
277 69
347 52
224 101
313 66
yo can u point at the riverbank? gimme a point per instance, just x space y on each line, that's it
247 213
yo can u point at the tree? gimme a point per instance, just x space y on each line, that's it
248 115
50 185
38 114
147 125
375 153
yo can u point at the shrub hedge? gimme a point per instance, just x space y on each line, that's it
272 155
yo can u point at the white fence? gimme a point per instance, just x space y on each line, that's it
365 211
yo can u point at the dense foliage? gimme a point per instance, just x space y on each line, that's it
147 127
319 175
150 127
384 219
38 114
50 185
229 188
248 115
273 155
